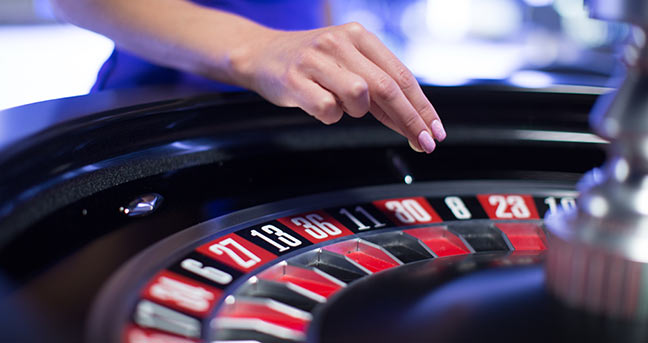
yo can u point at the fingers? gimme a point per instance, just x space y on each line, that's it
319 102
388 95
346 68
350 89
382 117
392 101
374 50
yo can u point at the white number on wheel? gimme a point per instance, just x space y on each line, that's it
188 296
408 211
315 226
510 206
457 207
281 236
222 247
209 273
360 225
567 203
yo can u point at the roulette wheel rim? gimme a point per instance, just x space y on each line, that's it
113 310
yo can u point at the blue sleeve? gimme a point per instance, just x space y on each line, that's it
125 70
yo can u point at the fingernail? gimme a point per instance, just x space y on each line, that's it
438 130
414 147
426 141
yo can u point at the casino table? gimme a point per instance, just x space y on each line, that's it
166 215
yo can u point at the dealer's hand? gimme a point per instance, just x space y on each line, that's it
340 69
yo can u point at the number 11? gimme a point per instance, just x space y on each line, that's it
361 226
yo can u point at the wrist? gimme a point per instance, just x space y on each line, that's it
243 59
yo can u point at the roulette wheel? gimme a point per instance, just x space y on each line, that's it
221 218
224 218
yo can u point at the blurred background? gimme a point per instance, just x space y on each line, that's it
527 43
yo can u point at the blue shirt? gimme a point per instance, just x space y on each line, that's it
125 70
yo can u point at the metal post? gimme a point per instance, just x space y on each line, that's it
598 259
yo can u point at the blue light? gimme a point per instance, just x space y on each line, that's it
531 79
538 3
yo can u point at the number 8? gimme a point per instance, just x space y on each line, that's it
457 207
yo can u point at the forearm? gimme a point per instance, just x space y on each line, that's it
325 71
173 33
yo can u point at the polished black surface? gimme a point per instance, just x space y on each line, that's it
49 169
23 122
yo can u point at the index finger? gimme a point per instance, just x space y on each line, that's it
386 93
374 50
